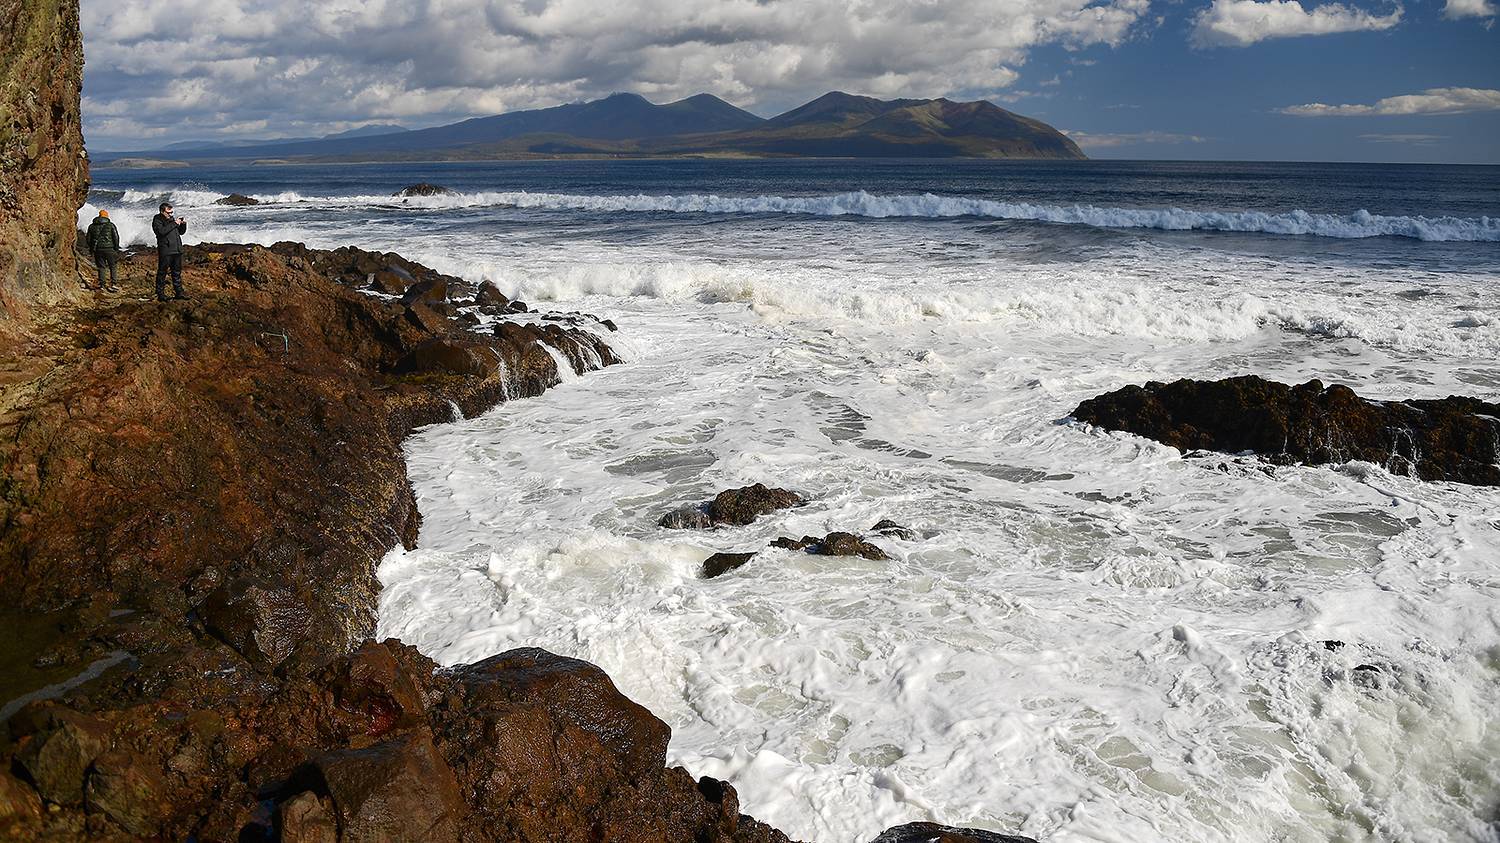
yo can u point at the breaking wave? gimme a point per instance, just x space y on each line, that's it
1360 224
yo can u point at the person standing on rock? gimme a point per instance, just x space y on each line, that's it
104 242
169 231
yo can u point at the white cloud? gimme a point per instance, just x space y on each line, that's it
1089 140
1430 101
305 68
1456 9
1240 23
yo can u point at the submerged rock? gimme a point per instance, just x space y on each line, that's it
886 527
723 563
237 200
691 517
934 833
423 189
1453 438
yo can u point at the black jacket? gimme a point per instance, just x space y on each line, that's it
168 234
103 235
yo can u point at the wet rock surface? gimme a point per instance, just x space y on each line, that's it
1454 439
722 563
734 507
423 189
833 544
934 833
237 200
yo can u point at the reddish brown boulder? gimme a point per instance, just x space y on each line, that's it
396 790
1452 438
744 505
129 790
57 757
306 818
429 290
440 355
488 295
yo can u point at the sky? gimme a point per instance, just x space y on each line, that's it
1375 80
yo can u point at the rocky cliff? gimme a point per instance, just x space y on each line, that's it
43 171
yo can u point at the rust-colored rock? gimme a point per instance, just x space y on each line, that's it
57 758
1452 438
43 172
129 790
396 790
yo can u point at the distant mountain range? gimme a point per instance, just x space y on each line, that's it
627 125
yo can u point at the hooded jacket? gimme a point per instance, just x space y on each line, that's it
102 235
168 234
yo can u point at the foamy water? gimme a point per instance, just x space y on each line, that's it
1093 638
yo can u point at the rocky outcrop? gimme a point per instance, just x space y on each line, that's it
237 200
934 833
833 544
43 171
423 189
735 507
1455 438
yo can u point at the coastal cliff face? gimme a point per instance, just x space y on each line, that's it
43 171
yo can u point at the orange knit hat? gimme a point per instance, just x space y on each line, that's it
104 214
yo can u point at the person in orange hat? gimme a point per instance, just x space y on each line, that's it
104 242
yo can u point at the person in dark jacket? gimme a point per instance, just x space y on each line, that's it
104 242
169 231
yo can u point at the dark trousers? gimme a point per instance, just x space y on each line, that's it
106 259
164 265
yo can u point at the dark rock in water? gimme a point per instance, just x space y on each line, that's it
609 325
130 790
423 189
1454 439
723 563
886 527
399 789
744 505
444 356
1331 644
489 294
833 544
693 517
237 200
518 306
934 833
428 290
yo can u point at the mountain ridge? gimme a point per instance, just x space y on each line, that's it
836 124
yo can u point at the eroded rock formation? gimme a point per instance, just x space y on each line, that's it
43 171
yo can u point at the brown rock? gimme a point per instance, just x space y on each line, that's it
431 290
744 505
238 200
261 618
56 758
687 518
934 833
1452 439
396 790
449 357
391 280
374 686
723 563
306 818
19 804
886 527
489 295
130 791
833 544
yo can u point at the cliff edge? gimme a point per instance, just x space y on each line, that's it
44 173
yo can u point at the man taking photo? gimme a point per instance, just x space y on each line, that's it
169 231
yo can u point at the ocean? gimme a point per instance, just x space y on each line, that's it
1091 637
